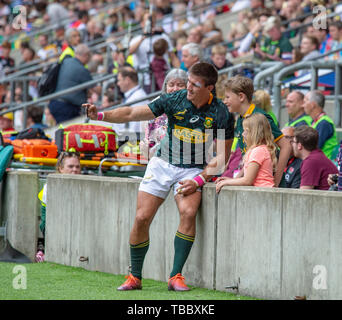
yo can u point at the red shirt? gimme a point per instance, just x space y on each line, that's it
315 170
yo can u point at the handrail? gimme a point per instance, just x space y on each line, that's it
59 93
313 65
265 73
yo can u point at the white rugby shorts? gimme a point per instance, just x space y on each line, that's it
160 176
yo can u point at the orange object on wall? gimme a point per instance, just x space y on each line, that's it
40 151
37 148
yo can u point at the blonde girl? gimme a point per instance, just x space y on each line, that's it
260 159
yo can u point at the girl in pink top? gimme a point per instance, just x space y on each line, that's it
260 159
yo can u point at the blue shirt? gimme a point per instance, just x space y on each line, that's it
73 73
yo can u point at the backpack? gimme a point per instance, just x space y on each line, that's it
48 81
86 138
32 133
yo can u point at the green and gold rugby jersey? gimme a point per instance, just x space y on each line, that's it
191 131
277 134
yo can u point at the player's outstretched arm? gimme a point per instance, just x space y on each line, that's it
120 115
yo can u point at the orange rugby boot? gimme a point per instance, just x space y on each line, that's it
132 283
177 283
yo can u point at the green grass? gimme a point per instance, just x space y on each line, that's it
49 281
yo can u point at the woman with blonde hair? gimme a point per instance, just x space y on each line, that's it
260 159
262 100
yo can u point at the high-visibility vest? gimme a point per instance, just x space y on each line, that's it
331 144
69 51
304 117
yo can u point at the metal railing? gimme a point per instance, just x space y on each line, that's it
58 94
334 65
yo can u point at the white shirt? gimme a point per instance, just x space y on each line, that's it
143 56
129 96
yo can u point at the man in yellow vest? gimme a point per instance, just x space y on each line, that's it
6 125
313 106
73 38
295 109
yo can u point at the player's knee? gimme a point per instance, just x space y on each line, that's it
188 213
142 219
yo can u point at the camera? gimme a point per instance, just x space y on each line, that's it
334 178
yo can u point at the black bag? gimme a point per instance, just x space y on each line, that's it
32 133
48 81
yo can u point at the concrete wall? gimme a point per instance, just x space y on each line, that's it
20 209
271 243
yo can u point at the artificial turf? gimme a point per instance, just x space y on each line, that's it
50 281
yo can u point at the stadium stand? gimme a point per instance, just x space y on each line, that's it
111 25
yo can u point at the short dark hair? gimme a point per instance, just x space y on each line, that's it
35 113
160 47
129 72
307 136
206 71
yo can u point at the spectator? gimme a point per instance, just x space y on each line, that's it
335 180
180 39
277 47
35 118
46 50
191 54
108 99
218 57
5 60
28 55
211 34
316 166
59 39
81 24
322 36
260 159
119 59
128 84
262 100
112 24
295 108
313 106
291 178
309 48
308 51
57 11
6 125
93 31
141 46
175 80
73 38
71 73
180 23
335 42
195 35
238 98
159 66
203 13
236 36
49 120
254 35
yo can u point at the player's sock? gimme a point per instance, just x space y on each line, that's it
183 244
138 253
